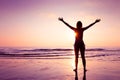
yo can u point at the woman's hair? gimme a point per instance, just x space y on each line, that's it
79 24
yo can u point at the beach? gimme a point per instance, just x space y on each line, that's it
58 64
57 69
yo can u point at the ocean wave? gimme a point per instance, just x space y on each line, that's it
51 50
47 55
18 50
52 53
47 50
94 49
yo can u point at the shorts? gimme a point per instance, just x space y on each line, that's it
79 45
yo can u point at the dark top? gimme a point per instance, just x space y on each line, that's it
79 34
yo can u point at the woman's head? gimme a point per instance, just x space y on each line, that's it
79 24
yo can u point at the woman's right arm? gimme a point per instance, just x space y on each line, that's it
96 21
61 19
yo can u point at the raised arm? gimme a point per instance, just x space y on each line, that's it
61 19
97 20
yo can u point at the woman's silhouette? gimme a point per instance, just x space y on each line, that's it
79 43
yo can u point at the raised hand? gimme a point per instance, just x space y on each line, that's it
61 19
97 20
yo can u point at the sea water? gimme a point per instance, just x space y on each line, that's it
59 53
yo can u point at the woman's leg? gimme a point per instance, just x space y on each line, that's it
82 50
76 50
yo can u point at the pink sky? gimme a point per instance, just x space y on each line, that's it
33 23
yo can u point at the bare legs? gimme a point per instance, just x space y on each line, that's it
76 58
82 50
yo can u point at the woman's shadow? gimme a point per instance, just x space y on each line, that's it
76 75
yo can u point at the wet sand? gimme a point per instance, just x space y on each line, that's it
57 69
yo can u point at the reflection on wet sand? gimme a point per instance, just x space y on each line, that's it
76 75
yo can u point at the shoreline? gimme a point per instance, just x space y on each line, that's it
57 69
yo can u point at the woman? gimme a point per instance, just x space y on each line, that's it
79 43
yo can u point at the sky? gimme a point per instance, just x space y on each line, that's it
34 23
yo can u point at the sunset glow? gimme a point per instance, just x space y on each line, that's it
34 23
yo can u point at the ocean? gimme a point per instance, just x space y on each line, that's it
59 53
